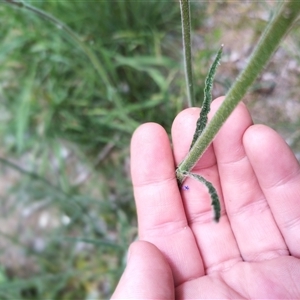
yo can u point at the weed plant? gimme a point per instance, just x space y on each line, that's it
66 134
67 211
282 21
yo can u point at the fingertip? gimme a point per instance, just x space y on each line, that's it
184 125
271 157
146 253
185 115
143 249
145 132
183 129
228 143
187 118
259 139
147 274
254 132
151 154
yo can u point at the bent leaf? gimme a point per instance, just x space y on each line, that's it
215 202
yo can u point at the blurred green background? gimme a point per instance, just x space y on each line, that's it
69 103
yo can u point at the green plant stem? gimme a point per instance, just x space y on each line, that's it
270 40
187 53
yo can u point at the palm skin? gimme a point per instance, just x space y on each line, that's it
252 253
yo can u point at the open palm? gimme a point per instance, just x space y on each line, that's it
252 253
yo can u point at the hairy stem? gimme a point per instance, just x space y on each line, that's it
187 53
273 34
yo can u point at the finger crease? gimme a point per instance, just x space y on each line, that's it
257 206
288 178
155 182
165 229
293 223
224 265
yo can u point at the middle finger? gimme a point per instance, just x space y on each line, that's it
216 241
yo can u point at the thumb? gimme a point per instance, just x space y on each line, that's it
147 275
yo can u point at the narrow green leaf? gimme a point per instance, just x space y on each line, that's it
205 109
23 111
215 202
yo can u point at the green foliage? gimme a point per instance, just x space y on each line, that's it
69 102
83 101
66 129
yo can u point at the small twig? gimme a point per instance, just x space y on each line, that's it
106 150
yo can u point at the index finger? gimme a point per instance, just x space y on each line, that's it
161 215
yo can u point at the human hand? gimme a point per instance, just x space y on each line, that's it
252 253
